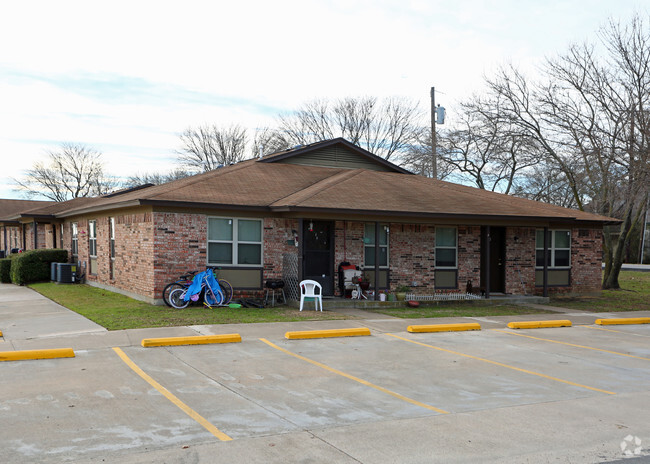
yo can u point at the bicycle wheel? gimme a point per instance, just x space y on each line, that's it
168 289
176 298
226 289
212 298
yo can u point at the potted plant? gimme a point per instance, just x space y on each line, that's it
401 291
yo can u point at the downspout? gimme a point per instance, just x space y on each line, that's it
376 261
488 258
547 237
301 249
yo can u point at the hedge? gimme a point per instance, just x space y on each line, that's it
5 270
34 265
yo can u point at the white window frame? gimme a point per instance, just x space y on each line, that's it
445 247
552 248
385 227
74 235
92 244
235 242
111 244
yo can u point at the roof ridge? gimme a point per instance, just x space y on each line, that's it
320 186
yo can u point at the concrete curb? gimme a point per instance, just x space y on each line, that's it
539 324
198 340
444 327
25 355
307 334
624 321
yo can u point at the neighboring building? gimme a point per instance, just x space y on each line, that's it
300 213
14 234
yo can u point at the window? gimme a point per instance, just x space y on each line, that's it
369 245
236 242
446 249
92 246
446 258
75 239
111 225
559 249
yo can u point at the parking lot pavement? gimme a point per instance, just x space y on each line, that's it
391 397
573 394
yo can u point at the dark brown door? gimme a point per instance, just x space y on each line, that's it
318 252
493 259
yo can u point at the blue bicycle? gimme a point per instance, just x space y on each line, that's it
204 284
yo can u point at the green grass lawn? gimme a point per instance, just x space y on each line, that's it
116 312
634 295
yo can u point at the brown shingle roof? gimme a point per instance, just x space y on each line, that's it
11 208
287 187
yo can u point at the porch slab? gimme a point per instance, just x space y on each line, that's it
346 303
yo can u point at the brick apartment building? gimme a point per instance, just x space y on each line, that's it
300 213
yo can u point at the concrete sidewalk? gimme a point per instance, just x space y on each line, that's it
28 320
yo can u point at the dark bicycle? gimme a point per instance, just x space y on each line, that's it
183 281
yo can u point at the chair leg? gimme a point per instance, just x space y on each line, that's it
301 302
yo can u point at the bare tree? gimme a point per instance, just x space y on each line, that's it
208 147
72 171
592 123
155 178
387 128
486 148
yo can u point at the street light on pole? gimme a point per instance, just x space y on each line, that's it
437 116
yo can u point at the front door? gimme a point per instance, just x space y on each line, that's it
493 270
318 253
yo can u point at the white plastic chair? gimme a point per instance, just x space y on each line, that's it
311 289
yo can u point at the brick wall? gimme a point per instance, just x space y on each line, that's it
179 241
520 260
586 260
412 256
277 234
469 256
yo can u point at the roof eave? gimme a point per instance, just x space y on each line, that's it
432 215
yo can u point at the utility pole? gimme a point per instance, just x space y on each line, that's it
437 116
434 157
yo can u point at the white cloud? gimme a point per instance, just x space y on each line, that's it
127 77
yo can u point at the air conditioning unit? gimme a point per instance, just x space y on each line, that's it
66 273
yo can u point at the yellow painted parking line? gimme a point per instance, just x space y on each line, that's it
167 394
356 379
496 363
572 344
606 330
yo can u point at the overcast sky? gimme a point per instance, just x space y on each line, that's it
126 77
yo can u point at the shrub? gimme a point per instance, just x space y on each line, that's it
34 265
5 270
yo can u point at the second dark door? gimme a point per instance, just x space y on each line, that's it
318 253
